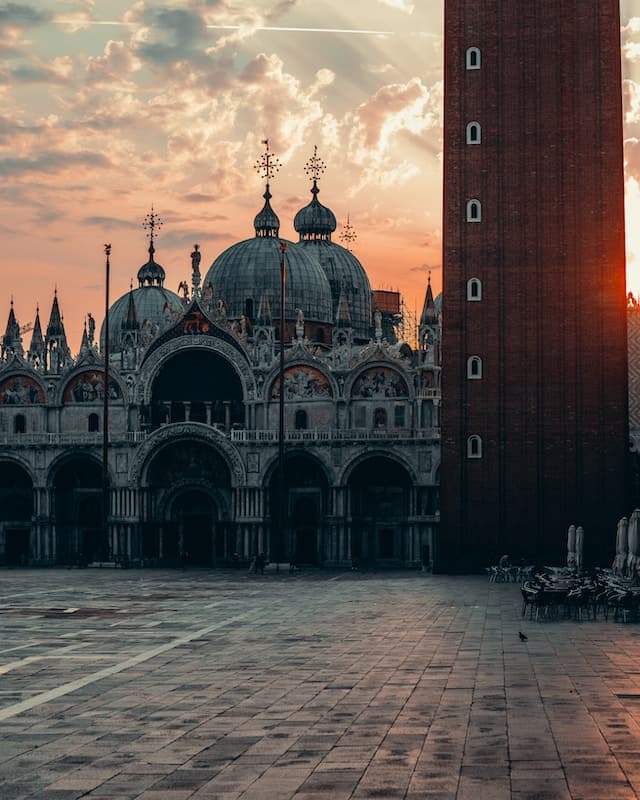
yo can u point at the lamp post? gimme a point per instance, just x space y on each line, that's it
282 495
105 411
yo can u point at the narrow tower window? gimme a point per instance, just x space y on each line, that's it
474 289
474 447
301 420
474 133
473 58
93 423
474 211
474 368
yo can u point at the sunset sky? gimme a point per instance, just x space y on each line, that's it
109 106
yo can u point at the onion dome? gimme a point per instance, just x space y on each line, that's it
150 307
266 222
315 221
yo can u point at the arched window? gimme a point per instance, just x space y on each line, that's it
380 418
474 211
301 420
473 58
399 417
94 423
474 367
474 447
19 423
474 133
474 289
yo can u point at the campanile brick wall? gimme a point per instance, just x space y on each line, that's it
551 407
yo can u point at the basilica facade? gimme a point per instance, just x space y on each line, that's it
199 469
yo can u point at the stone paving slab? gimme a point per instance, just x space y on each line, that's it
168 685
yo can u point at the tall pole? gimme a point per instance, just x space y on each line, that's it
105 411
282 494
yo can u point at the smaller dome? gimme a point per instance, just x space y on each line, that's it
151 274
315 220
153 306
266 222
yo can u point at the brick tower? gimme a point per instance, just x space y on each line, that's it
534 390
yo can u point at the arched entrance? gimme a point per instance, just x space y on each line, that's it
379 493
77 496
189 487
297 514
191 529
197 386
16 510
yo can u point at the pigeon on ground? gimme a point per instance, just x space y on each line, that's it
523 637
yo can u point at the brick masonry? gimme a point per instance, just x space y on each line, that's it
551 407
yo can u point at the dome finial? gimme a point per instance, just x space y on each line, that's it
152 222
348 234
266 222
315 168
151 273
267 165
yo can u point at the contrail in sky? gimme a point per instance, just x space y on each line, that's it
241 27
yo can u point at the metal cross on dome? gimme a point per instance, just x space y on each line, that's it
348 234
152 223
315 166
268 164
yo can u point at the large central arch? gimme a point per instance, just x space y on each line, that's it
298 510
380 501
188 504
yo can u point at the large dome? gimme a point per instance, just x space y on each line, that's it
153 304
149 308
247 270
315 223
343 271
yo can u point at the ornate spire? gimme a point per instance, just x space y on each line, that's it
55 327
343 313
264 312
151 274
131 322
36 348
266 222
348 235
12 340
84 344
429 313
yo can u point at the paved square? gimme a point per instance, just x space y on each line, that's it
172 685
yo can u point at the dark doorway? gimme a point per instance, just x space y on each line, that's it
80 537
304 510
379 491
297 514
194 514
16 547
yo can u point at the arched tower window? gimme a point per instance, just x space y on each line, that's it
301 421
474 367
474 133
473 58
474 289
474 447
19 423
93 423
474 211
